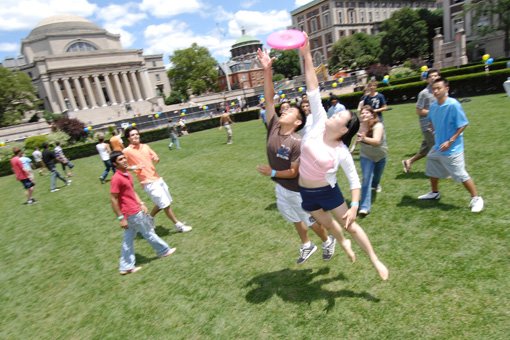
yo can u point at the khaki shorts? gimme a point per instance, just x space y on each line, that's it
289 205
442 166
158 191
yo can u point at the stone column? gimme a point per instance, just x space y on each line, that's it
109 89
49 94
134 81
79 91
60 97
119 87
127 86
151 91
90 93
99 90
70 95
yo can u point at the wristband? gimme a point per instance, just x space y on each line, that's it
133 167
354 204
273 173
120 217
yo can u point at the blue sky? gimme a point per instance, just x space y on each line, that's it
157 26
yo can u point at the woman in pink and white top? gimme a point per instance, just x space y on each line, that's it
322 152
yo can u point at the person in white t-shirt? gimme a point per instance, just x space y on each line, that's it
104 152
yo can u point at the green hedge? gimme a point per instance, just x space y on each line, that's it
86 150
450 72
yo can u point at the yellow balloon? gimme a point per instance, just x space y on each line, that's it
134 124
157 116
203 107
334 84
283 95
2 144
424 68
182 114
90 127
341 80
300 89
485 57
233 103
386 77
263 99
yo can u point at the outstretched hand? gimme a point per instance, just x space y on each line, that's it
265 170
265 59
305 49
350 217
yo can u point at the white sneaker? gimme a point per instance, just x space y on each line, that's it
476 204
363 212
182 228
379 188
430 196
54 190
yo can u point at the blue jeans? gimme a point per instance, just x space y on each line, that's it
54 175
139 222
372 173
174 139
108 166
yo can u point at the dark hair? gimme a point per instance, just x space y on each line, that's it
304 101
16 150
433 70
129 129
353 127
302 118
114 133
442 80
114 155
169 120
45 145
57 143
333 97
375 119
101 138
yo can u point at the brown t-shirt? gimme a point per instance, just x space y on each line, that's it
281 151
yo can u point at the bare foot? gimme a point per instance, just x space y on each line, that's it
382 270
346 244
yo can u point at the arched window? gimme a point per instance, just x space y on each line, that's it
81 46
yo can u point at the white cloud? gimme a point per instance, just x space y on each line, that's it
259 23
26 14
168 37
116 17
248 3
299 3
167 9
9 47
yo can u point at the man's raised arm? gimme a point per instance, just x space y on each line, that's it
312 83
267 62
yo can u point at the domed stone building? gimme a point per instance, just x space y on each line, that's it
243 69
76 65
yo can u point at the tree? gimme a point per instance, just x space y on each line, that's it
491 16
17 95
433 19
286 62
357 51
73 127
193 68
404 36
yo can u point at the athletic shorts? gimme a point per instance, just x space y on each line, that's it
158 191
289 205
442 166
326 198
229 129
27 183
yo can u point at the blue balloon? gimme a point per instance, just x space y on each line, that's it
207 107
280 92
424 74
86 129
261 96
184 110
490 61
385 80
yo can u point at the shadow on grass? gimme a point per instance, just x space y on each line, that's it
412 175
408 201
271 206
140 259
298 286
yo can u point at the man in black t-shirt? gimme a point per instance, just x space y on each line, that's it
50 159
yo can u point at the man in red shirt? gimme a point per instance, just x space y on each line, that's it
22 175
132 215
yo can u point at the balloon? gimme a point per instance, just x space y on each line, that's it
486 56
157 116
490 61
280 92
182 114
2 143
90 127
304 88
134 124
386 77
300 89
262 99
424 68
424 75
283 95
334 84
233 103
341 80
204 107
261 96
385 80
86 129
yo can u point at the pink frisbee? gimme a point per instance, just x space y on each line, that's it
286 39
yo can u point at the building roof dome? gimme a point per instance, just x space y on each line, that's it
64 24
245 40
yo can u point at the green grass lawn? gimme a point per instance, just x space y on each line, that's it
234 276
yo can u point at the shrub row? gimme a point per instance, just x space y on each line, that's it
89 149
